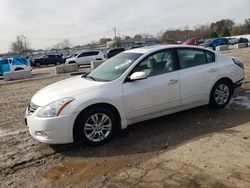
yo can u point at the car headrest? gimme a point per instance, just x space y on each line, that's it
151 63
200 58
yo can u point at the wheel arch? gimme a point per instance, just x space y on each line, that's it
224 78
221 79
19 68
96 105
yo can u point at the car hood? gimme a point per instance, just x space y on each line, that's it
205 44
71 59
67 88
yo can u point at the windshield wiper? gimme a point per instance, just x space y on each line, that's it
91 77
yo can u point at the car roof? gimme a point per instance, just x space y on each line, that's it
149 49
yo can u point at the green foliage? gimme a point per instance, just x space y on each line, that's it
226 33
214 35
247 24
115 43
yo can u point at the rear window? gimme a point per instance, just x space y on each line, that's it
4 61
19 61
210 57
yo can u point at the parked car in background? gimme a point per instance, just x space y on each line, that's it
14 64
172 42
85 57
192 41
135 85
68 56
213 43
48 60
240 40
231 40
114 51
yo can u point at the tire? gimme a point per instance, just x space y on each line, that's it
37 64
57 63
221 94
87 132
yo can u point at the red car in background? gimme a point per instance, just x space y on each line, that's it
192 41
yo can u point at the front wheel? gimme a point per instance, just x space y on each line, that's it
95 126
221 94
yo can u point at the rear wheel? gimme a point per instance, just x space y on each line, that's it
95 126
57 63
37 64
221 94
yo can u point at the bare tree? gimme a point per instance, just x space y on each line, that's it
137 37
104 40
21 45
64 44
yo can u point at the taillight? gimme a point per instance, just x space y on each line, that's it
238 62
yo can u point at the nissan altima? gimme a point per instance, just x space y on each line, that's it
134 86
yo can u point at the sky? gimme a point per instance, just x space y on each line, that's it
47 22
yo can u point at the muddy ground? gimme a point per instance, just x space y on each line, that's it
26 162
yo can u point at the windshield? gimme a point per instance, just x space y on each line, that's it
114 67
208 41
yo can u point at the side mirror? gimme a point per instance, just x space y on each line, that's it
138 76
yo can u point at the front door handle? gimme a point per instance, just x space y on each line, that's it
213 70
171 82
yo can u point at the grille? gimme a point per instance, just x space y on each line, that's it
32 108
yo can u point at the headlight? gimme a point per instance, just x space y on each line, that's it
54 109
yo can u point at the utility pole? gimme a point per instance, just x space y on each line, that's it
21 42
24 41
114 32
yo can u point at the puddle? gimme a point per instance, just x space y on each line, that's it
78 170
240 102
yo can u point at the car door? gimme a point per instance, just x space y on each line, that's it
52 59
158 93
198 72
82 58
94 55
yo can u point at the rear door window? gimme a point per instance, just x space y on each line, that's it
84 54
191 57
92 53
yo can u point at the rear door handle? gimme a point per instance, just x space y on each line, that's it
171 82
213 70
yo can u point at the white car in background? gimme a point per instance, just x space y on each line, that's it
133 86
85 57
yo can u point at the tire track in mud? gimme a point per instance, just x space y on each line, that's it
17 148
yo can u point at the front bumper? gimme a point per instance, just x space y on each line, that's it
238 83
54 130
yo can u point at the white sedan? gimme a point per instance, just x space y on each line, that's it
133 86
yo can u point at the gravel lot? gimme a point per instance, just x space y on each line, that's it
26 162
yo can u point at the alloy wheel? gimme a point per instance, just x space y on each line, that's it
98 127
222 94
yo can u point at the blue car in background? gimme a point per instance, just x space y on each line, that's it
213 43
13 64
